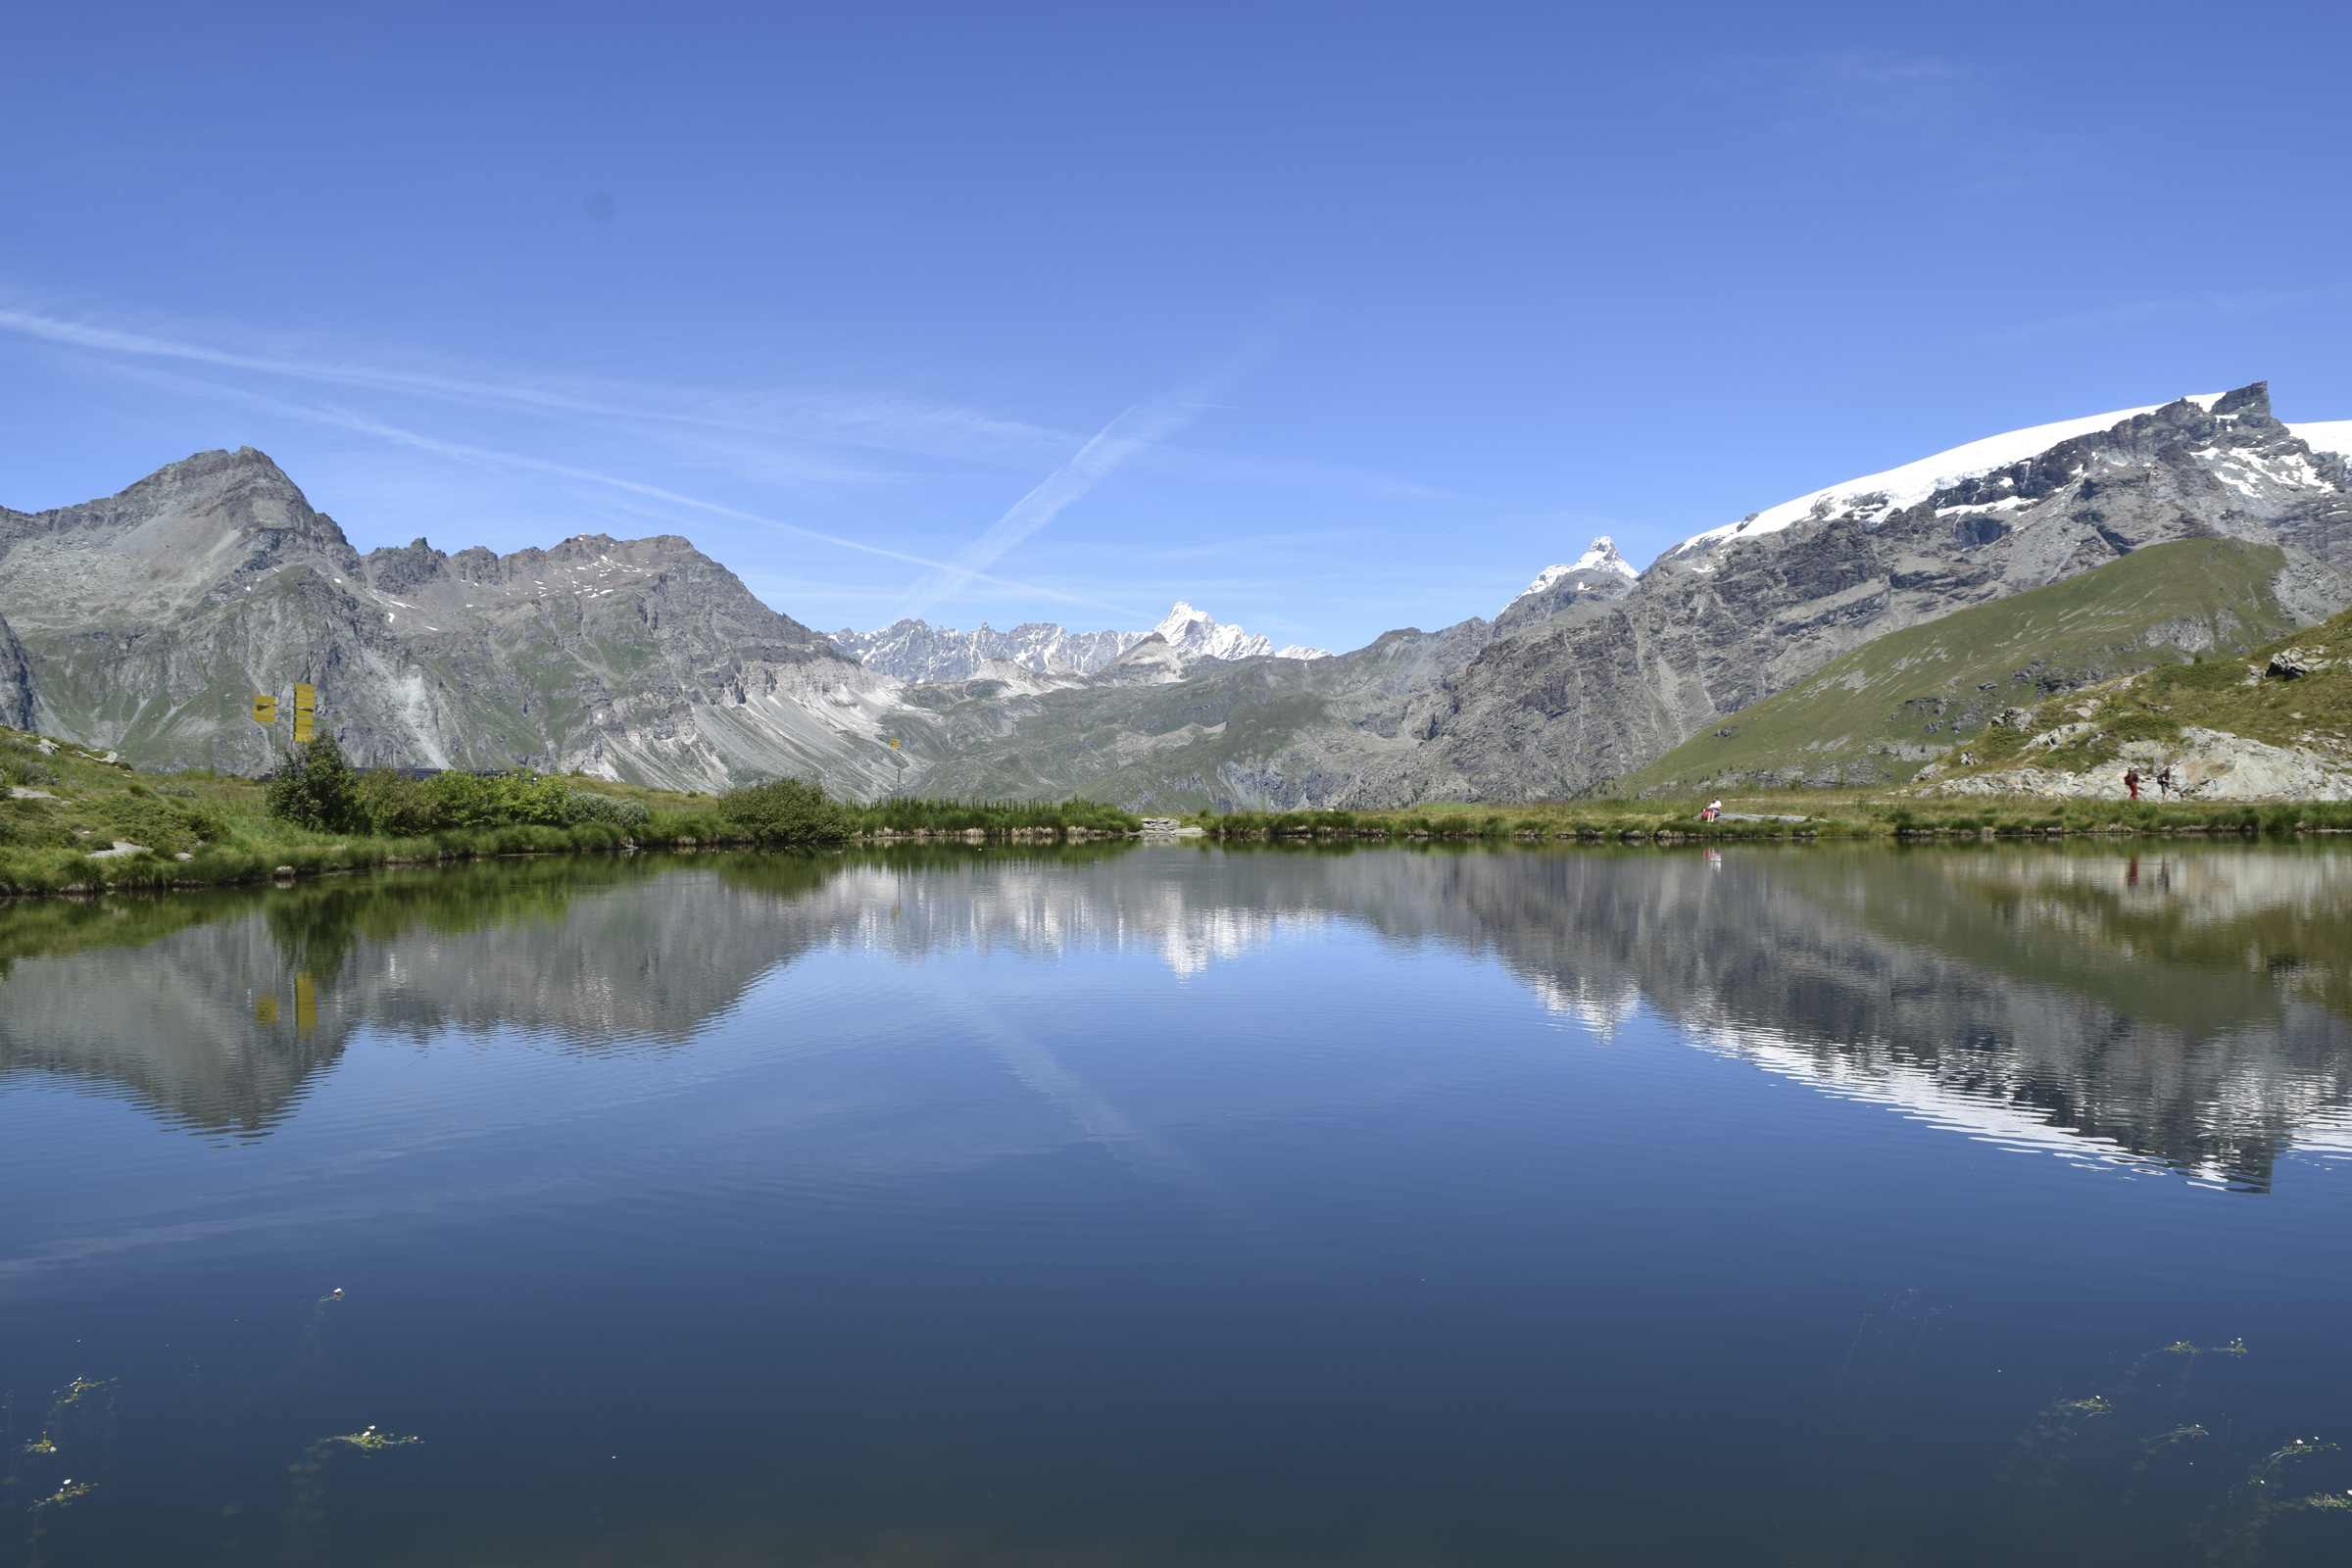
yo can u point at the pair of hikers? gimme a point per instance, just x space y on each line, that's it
2164 783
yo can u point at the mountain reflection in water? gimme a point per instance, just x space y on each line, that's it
2183 1007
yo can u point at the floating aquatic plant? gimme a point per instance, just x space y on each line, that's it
2165 1440
372 1439
65 1496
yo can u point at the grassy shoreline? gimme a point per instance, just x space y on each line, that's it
202 830
199 830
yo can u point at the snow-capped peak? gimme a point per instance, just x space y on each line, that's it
1913 482
1193 635
1602 556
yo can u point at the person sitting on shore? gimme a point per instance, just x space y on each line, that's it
1714 809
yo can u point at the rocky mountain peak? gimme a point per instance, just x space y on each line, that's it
403 568
2254 399
1195 634
1598 575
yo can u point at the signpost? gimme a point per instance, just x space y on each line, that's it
306 712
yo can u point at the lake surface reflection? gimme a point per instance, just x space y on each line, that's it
1147 1205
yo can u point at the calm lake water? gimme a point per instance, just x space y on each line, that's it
1172 1205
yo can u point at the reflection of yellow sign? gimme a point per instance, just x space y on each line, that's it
264 710
306 712
306 1003
264 1009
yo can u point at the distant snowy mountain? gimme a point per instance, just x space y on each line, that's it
1193 635
915 650
1599 574
1602 556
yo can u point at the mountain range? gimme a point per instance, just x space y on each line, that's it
143 623
917 651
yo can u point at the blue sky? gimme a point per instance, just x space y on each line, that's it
1327 318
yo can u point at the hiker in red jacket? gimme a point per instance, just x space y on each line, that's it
2131 782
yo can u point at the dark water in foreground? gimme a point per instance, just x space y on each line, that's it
1177 1207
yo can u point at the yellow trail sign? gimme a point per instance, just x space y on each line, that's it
306 712
264 710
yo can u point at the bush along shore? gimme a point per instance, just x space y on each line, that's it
78 820
1784 816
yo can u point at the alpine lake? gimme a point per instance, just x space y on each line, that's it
1175 1204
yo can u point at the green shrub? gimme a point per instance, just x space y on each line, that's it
619 812
395 806
317 788
785 811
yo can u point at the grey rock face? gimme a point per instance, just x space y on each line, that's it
17 699
151 618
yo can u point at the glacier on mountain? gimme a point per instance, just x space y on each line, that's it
1913 482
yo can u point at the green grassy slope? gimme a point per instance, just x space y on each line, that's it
2313 712
1876 713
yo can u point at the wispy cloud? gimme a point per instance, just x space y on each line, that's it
1134 432
859 420
1963 125
466 452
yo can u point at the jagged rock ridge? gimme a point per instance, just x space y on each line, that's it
150 618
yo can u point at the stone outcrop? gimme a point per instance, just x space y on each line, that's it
2206 764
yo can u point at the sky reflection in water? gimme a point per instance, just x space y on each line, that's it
1181 1207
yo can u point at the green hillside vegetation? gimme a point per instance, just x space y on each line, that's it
1875 715
2312 711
